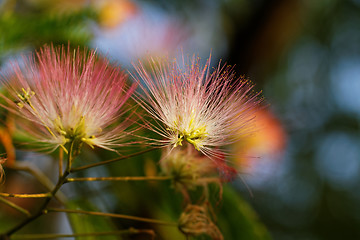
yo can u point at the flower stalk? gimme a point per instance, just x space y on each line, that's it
26 195
39 176
122 179
14 206
113 215
60 182
110 160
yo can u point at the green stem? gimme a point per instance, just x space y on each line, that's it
113 215
50 236
125 179
13 205
110 160
61 155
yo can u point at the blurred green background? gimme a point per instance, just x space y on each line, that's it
300 173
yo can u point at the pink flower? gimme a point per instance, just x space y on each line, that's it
69 96
190 104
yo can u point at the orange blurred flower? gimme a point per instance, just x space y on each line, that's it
115 12
6 133
6 141
267 141
110 12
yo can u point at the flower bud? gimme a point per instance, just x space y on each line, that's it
187 167
195 221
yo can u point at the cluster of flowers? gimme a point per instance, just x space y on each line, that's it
75 96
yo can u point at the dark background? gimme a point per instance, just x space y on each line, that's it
303 54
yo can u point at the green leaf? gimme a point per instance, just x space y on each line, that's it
81 223
237 220
20 31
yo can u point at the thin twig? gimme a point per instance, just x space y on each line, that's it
13 205
40 176
40 212
26 195
125 179
50 236
113 215
110 160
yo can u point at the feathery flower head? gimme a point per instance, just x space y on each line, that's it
195 106
69 96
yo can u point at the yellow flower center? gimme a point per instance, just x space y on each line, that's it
75 132
192 134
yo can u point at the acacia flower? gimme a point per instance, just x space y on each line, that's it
68 96
192 105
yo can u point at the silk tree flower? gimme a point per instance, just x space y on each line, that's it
192 105
68 96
